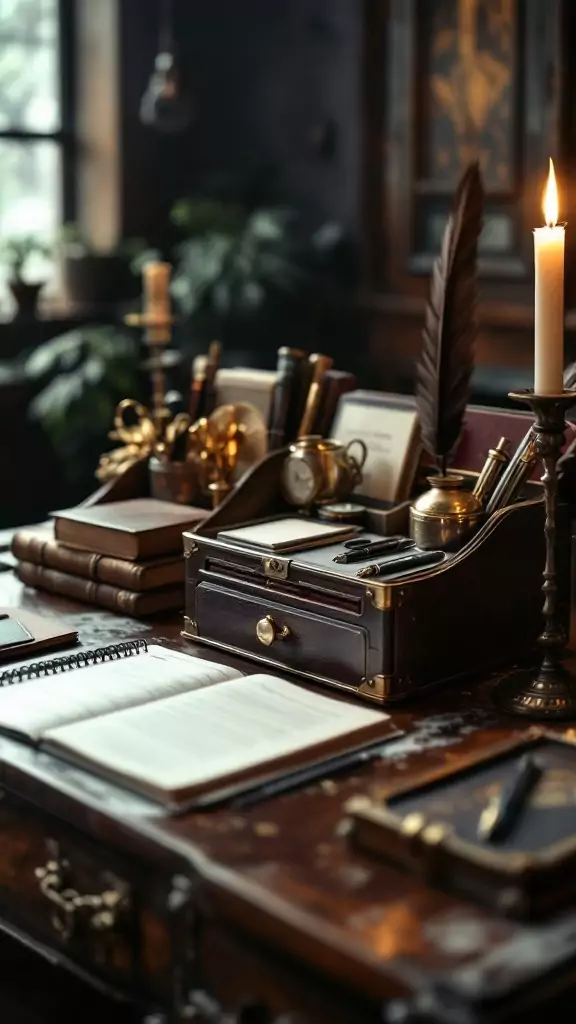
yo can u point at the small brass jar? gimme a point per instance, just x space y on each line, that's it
446 516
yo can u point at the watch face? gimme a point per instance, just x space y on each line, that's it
298 481
342 512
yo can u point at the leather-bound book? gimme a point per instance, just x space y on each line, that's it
335 384
37 545
133 530
116 599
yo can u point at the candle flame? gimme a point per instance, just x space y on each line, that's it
550 204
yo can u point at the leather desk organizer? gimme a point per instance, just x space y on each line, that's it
384 641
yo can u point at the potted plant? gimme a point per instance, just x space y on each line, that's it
249 274
18 254
93 278
78 379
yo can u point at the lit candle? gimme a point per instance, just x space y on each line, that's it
157 289
549 296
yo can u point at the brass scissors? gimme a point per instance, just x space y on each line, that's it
141 432
176 437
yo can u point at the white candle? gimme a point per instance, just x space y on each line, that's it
156 289
549 297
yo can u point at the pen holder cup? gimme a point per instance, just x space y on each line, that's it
180 482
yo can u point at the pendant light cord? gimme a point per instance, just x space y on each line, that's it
167 27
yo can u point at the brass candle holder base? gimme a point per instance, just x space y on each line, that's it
550 691
547 693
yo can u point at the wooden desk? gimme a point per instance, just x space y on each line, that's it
264 915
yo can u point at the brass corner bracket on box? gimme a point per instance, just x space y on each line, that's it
381 598
377 688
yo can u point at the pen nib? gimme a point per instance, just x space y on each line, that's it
370 570
488 818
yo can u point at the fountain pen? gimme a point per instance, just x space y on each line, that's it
502 813
388 545
396 565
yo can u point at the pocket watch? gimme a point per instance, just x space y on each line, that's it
343 512
319 471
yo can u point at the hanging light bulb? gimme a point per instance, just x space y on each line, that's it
164 105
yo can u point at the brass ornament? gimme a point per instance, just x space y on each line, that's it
320 471
138 438
224 445
73 911
446 516
217 449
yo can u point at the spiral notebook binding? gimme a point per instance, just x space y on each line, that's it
83 659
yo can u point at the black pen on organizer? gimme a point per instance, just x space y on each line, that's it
389 545
502 812
392 566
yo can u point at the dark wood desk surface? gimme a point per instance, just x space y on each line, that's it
283 870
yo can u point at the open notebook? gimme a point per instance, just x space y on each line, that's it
172 727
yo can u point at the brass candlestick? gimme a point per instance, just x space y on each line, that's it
551 691
157 336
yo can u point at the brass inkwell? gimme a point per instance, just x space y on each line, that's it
447 515
443 518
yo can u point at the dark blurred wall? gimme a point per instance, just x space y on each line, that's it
276 83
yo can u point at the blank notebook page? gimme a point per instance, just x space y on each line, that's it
194 738
34 706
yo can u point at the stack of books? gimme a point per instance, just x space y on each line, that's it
124 555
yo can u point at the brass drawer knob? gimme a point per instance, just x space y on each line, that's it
268 631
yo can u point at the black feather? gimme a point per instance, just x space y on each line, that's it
447 360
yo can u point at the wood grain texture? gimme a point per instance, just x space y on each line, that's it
285 911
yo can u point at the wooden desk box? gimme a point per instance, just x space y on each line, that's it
382 640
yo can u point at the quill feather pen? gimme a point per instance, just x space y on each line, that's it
447 360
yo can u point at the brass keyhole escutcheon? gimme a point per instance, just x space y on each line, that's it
268 631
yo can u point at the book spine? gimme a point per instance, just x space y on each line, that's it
336 383
28 547
101 594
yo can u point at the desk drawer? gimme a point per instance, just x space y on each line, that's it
45 865
311 645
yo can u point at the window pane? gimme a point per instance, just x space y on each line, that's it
29 65
30 177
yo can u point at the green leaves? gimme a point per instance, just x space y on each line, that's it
16 252
236 263
86 372
75 245
202 263
202 216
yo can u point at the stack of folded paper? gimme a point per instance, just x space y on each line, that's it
126 555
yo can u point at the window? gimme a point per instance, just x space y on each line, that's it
35 136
